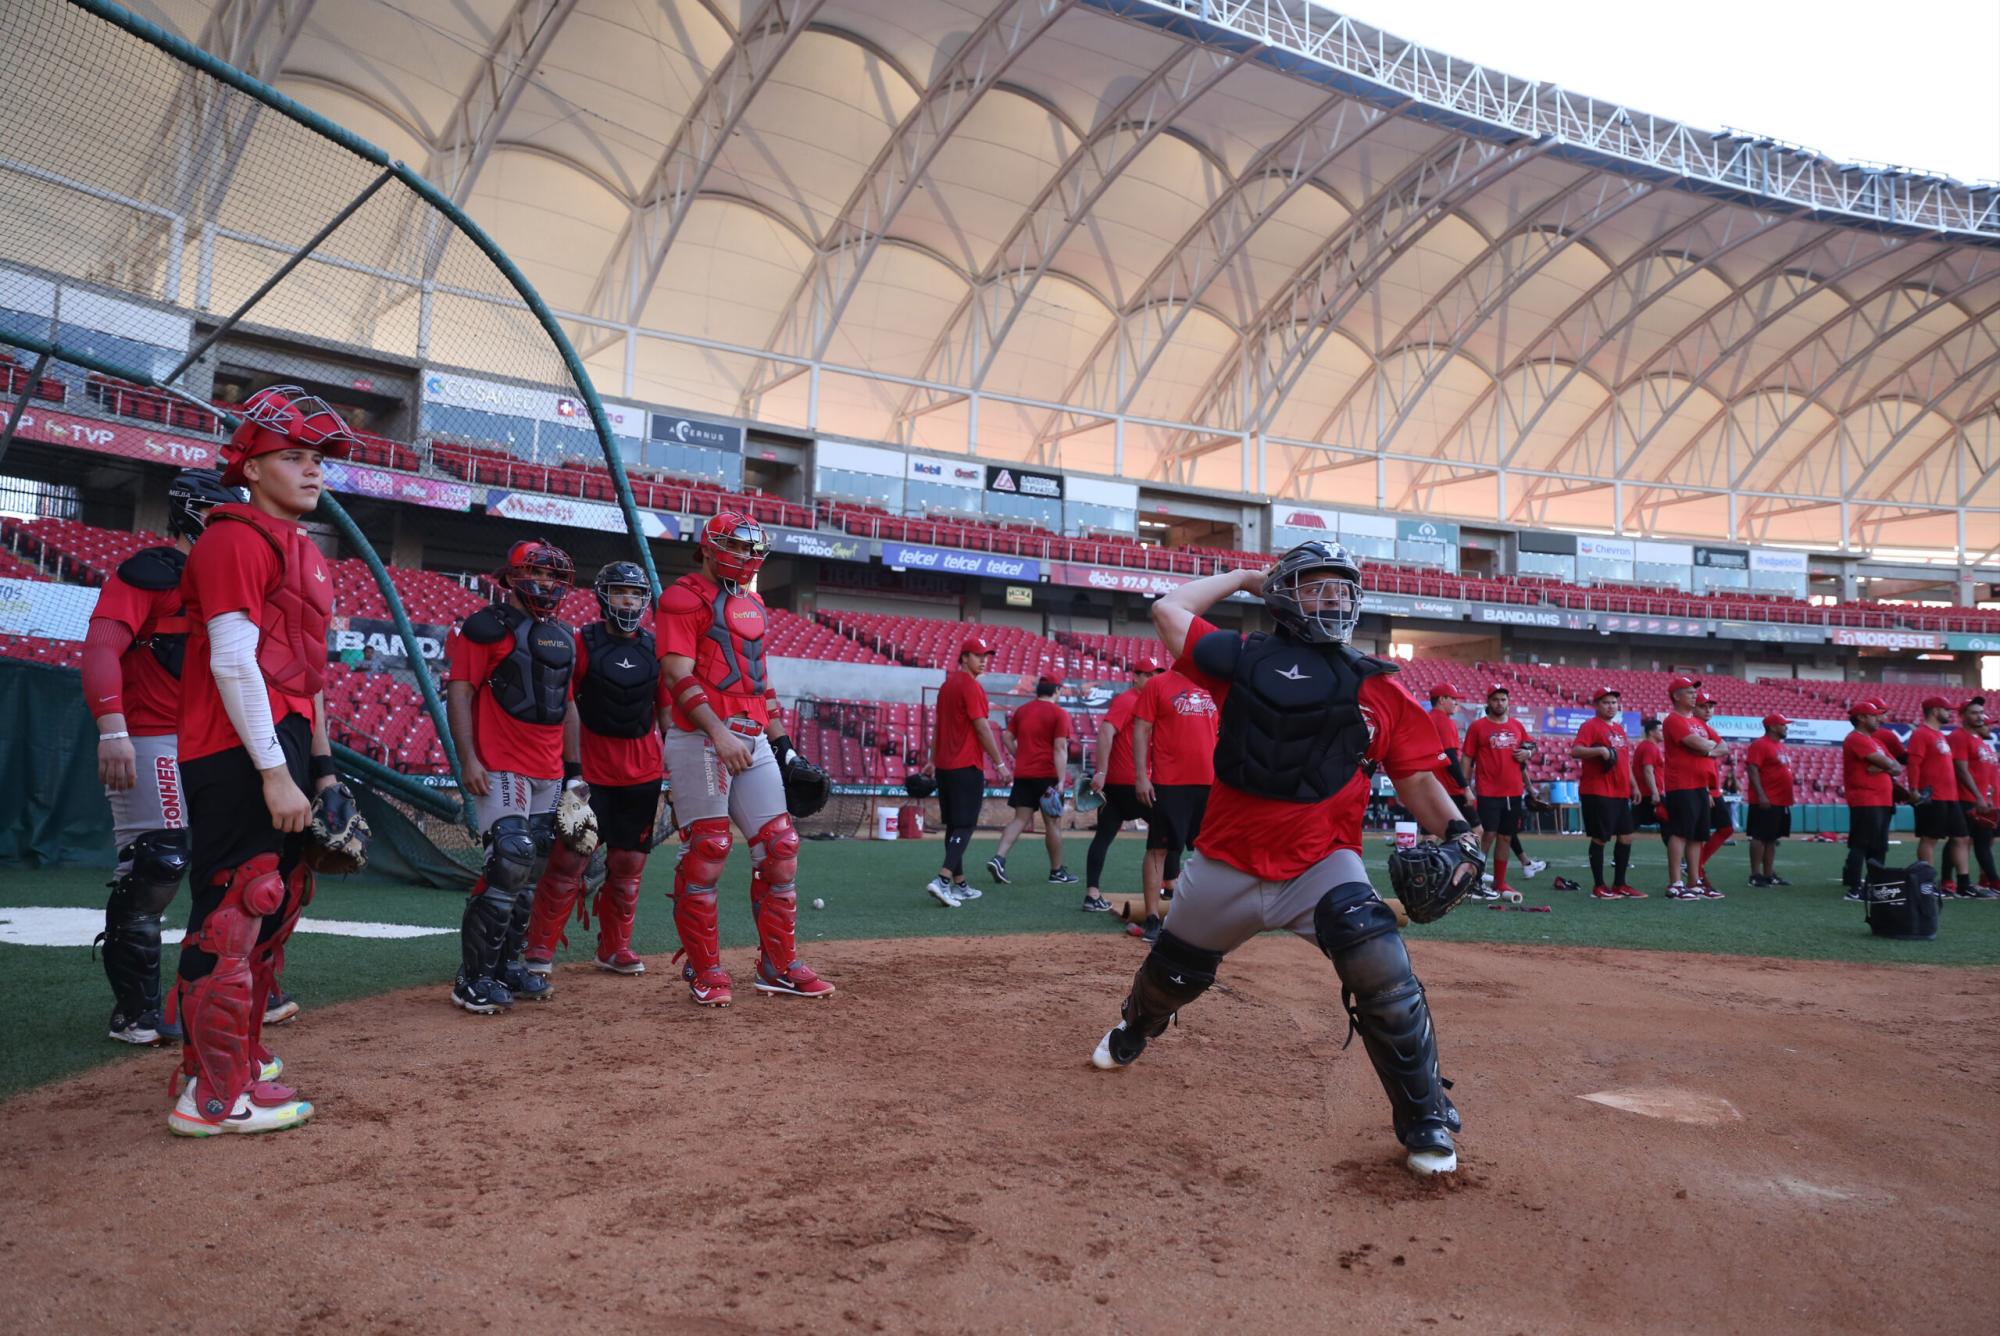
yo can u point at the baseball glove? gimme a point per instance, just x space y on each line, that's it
576 824
337 839
1430 879
919 785
1089 797
806 786
1052 802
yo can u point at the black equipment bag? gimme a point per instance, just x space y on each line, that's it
1903 905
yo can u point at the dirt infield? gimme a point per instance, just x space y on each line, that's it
929 1151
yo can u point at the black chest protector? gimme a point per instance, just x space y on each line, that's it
1292 726
154 569
620 676
532 682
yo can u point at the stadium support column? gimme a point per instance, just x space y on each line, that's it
406 539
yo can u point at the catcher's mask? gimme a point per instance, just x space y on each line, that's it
539 574
615 588
1314 592
736 546
283 417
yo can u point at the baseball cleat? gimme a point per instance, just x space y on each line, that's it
538 961
524 984
1629 892
1096 904
1120 1047
1679 891
280 1007
1708 892
1485 892
1062 876
261 1108
965 891
1853 896
621 961
1533 867
1430 1152
141 1029
941 892
1604 893
795 980
996 867
708 988
481 996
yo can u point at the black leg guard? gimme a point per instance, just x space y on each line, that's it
1172 975
490 913
139 897
482 933
1385 1003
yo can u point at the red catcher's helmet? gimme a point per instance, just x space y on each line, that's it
539 574
283 417
737 545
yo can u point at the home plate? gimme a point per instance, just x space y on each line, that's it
1680 1106
36 925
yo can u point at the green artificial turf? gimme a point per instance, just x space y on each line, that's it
56 999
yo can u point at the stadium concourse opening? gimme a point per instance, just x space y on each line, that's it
1002 321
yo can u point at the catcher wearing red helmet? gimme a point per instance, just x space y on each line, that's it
252 743
726 758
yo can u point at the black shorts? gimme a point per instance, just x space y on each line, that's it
1467 810
1121 804
1769 824
1973 828
1719 818
1689 813
230 825
1606 818
1028 793
961 791
1175 822
1502 816
1941 820
625 814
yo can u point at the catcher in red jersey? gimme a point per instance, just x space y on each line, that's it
132 658
727 759
612 770
1302 714
252 744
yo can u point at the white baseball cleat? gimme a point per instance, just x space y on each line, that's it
1533 867
248 1116
941 892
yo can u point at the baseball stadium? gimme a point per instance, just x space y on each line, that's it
1063 665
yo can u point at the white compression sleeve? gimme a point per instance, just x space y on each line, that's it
232 659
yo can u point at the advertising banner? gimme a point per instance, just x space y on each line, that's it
825 546
693 431
1723 558
908 556
1771 633
359 640
1605 549
1619 623
1802 733
1152 583
1427 531
1555 618
1367 526
1663 554
1778 560
1972 644
1310 522
1550 544
45 609
948 473
1023 482
573 514
128 439
1882 639
1402 605
851 458
390 486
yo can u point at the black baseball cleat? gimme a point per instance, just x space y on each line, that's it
1120 1047
996 867
1430 1151
1776 881
524 985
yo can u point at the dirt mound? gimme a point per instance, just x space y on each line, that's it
930 1151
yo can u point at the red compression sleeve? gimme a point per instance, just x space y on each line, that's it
104 644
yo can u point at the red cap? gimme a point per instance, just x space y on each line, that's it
1680 681
1868 705
1145 666
1048 684
1497 689
1772 720
1603 691
1936 703
1446 689
974 645
1703 698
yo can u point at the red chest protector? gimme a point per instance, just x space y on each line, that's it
291 626
730 657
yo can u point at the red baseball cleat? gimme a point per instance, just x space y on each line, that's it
1629 892
795 980
1604 893
622 961
709 987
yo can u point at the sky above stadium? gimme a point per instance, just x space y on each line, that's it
1915 83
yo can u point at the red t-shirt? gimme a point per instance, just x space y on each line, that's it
1986 769
152 695
1276 840
231 569
504 743
681 621
1036 726
1446 723
1685 770
961 701
1602 779
617 761
1930 764
1773 764
1965 747
1490 745
1648 753
1118 769
1866 786
1711 764
1184 719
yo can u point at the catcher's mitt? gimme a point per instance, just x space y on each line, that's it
919 785
1430 879
337 839
1089 797
576 824
806 786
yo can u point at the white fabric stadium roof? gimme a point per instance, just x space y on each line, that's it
1245 246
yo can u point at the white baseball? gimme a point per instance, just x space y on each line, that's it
819 904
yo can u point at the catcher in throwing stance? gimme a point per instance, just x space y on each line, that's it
1280 842
252 743
728 759
611 744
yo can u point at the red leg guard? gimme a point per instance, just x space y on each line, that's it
556 895
219 1013
618 901
704 853
267 962
774 903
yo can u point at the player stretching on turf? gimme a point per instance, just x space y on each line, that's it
252 744
611 743
512 676
131 680
1767 769
727 755
1606 790
1121 796
1039 732
1280 843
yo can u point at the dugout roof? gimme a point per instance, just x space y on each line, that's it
1247 246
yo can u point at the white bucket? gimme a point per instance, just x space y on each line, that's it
1406 834
885 823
